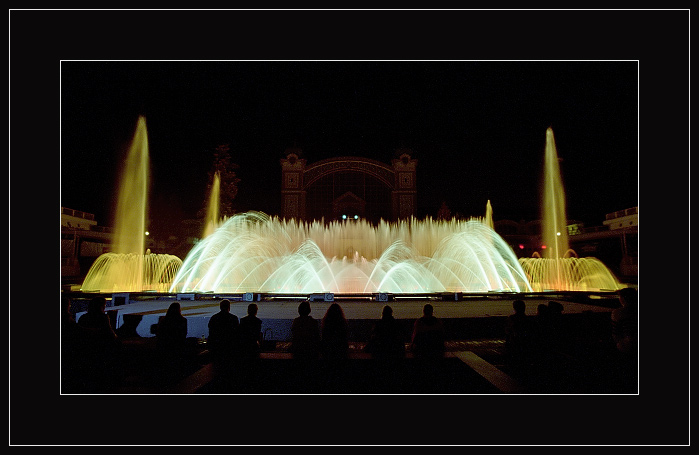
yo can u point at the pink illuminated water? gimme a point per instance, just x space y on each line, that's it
255 252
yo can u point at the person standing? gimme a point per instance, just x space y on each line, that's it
171 341
100 347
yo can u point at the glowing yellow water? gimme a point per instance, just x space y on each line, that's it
211 221
130 213
554 232
127 267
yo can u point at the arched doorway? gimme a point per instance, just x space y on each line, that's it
348 185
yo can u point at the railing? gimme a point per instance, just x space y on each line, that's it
621 213
77 213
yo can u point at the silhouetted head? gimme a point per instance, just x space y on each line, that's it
555 307
304 308
519 306
542 309
174 309
252 309
387 312
335 312
428 309
97 305
225 305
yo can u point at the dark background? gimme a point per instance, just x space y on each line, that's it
477 128
658 40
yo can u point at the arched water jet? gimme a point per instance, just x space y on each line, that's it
126 272
255 252
571 274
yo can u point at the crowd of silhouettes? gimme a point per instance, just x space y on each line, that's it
93 341
535 340
92 348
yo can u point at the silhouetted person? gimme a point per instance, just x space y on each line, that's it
305 334
518 335
428 336
171 342
129 326
223 334
97 322
71 339
625 322
386 340
334 334
99 346
172 329
250 333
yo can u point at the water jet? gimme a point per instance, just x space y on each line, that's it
127 267
560 268
253 251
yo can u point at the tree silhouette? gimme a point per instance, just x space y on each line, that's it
444 213
224 165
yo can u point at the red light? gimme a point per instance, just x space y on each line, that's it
521 247
543 247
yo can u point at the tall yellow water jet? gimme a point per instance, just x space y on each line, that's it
554 231
127 267
212 209
560 268
130 214
489 215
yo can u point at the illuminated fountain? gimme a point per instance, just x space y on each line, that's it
127 267
560 268
212 220
255 252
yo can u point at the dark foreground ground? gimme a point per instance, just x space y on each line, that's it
584 361
468 367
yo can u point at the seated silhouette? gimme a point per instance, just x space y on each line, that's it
428 335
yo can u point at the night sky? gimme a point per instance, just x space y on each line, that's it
477 129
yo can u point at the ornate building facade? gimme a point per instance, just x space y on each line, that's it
348 187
